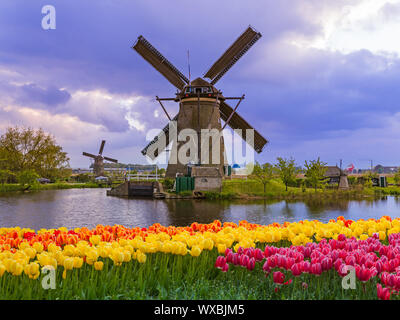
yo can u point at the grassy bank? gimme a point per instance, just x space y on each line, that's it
5 188
253 189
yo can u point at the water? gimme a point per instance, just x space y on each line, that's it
89 207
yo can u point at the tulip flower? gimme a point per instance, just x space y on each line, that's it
383 293
296 269
221 261
316 269
278 277
251 264
98 265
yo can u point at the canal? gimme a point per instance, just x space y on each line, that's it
89 207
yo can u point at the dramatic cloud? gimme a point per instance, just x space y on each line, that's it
322 81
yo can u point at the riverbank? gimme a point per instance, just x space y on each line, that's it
253 189
7 188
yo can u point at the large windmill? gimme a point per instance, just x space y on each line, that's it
98 166
201 105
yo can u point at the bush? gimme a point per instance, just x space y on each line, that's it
352 180
168 183
186 193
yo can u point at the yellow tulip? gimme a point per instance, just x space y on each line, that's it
2 270
141 257
98 265
78 262
38 247
69 263
195 252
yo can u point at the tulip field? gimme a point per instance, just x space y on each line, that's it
297 260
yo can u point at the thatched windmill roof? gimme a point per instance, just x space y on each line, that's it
333 171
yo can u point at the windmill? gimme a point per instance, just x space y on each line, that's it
98 167
201 105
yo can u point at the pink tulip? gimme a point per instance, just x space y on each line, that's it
296 269
316 269
278 277
220 262
383 293
251 264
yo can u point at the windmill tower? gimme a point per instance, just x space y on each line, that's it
98 167
201 106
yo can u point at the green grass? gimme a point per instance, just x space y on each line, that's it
239 189
5 188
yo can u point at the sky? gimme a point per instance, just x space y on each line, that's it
321 82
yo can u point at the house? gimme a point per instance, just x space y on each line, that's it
206 178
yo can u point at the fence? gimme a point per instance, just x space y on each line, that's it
140 176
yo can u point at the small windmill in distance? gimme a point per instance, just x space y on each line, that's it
98 167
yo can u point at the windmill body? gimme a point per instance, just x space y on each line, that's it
201 106
98 166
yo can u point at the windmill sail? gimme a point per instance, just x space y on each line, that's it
165 131
102 146
110 159
160 63
89 155
237 122
245 41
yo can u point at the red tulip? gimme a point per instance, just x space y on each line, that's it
316 269
235 259
350 260
244 260
229 257
251 264
383 293
326 264
363 273
266 267
258 255
220 262
305 266
225 267
296 269
227 251
278 277
289 263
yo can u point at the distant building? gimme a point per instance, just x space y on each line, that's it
385 169
81 171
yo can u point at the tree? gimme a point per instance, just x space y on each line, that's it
315 172
264 173
27 177
5 175
369 176
28 149
397 177
287 171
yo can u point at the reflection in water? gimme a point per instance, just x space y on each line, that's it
319 206
89 207
184 212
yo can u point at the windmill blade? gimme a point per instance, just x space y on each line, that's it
160 63
110 159
102 146
237 122
165 131
233 54
89 155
